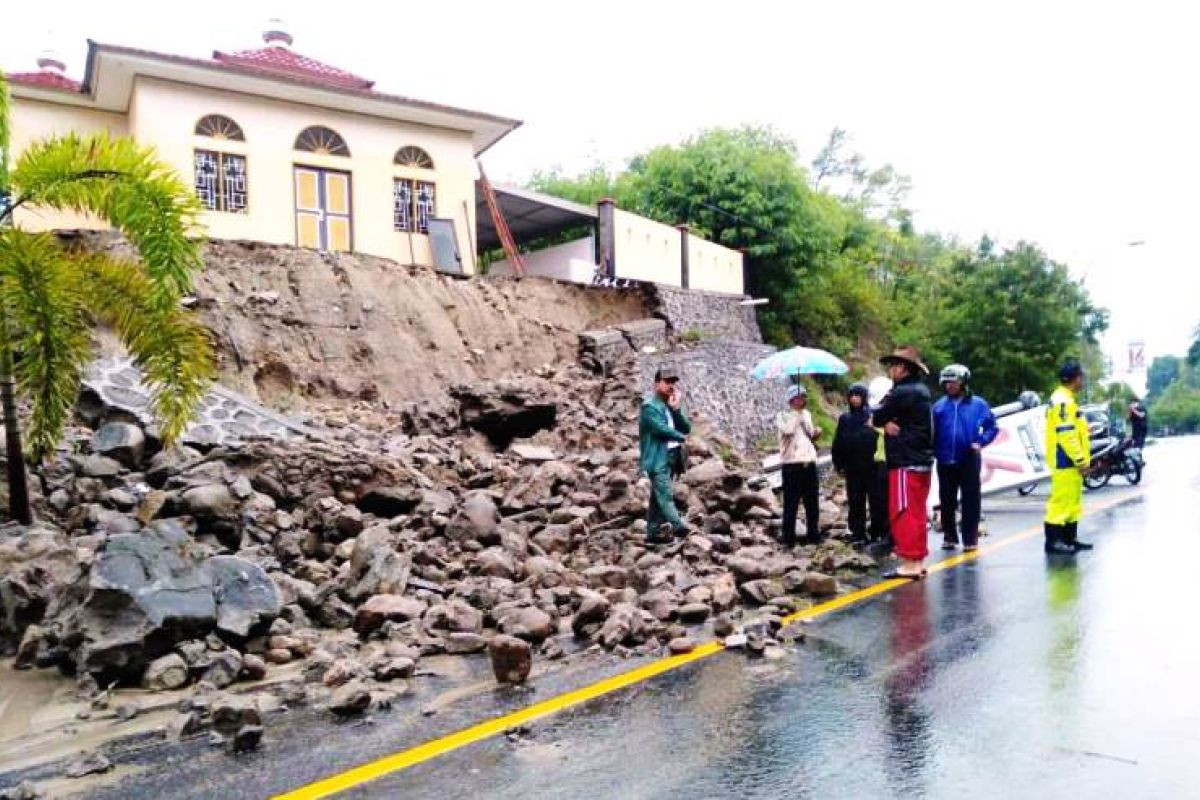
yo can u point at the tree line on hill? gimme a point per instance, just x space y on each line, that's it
1173 390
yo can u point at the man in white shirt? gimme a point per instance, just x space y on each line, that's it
798 452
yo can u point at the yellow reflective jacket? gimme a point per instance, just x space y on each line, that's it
1067 444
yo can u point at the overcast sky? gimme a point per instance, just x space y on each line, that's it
1072 124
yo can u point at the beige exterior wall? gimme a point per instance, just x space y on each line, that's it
572 261
34 120
164 114
713 268
645 250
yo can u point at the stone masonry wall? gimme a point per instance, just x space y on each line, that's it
705 314
715 380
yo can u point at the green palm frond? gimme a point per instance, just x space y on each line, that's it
47 326
127 185
5 135
169 345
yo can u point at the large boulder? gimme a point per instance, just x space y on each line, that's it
529 623
511 658
247 600
623 625
215 509
454 616
706 472
477 519
146 591
150 590
375 565
120 441
386 607
95 466
38 565
168 672
166 463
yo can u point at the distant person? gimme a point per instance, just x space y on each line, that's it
798 454
1068 453
662 430
906 418
855 444
1139 423
963 424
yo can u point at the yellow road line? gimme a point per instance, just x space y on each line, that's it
484 730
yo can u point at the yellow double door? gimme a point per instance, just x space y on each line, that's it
323 209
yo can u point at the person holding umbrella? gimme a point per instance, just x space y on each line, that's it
798 454
906 418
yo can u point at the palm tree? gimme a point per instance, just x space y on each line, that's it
51 295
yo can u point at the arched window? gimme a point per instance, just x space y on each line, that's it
410 156
322 141
216 126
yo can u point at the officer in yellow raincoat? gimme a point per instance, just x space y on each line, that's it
1068 453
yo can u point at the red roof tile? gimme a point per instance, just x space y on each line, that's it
282 61
45 79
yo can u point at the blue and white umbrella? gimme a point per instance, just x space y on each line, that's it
788 365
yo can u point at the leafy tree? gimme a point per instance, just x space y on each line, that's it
1178 409
840 277
588 187
1193 354
1012 317
874 190
51 296
1163 372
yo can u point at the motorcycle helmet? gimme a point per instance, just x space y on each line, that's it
956 373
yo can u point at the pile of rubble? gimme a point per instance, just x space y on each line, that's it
507 518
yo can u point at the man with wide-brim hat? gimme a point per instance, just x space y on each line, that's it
906 418
907 355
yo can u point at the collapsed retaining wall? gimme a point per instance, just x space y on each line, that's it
713 342
706 315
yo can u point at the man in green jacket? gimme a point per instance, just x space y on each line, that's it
662 430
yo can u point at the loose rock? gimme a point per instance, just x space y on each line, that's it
511 659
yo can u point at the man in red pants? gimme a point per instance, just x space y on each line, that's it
906 418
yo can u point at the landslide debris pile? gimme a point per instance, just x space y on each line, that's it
507 515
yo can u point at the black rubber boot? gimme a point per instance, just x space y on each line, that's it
1055 540
1069 537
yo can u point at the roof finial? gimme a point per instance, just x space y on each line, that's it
277 34
50 61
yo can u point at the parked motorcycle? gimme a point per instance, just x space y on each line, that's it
1114 457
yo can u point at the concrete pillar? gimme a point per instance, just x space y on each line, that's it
684 265
606 238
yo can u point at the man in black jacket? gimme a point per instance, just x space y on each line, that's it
906 417
854 447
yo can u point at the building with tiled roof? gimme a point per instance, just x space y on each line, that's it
280 147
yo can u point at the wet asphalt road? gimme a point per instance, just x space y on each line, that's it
1016 675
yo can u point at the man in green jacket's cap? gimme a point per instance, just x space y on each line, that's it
662 430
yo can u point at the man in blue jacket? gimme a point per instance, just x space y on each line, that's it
963 425
663 427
